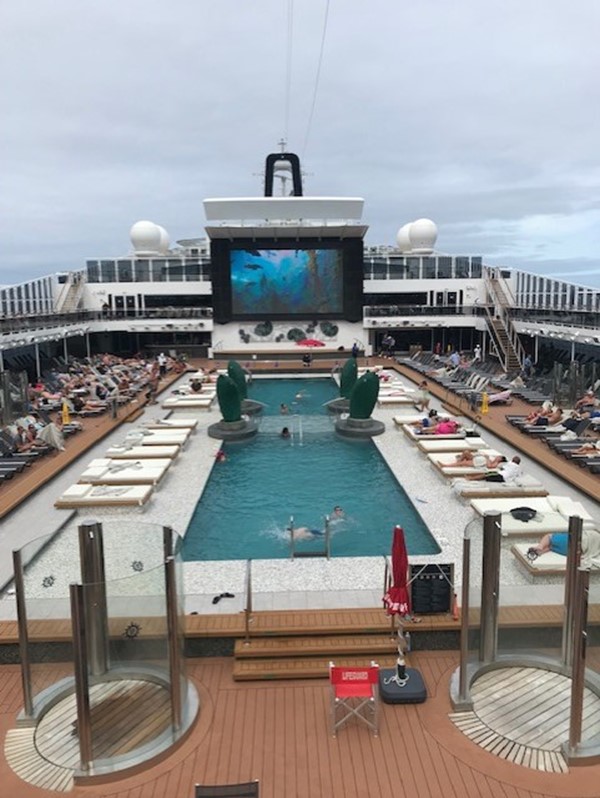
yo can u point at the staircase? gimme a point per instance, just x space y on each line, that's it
504 337
306 642
69 299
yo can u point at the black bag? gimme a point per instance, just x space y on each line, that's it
523 513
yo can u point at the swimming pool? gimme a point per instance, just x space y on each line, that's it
249 499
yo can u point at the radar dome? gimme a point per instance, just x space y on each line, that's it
403 238
145 237
165 240
423 235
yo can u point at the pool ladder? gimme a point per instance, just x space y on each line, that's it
325 552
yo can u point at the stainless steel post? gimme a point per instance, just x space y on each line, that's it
82 687
38 369
174 643
464 620
91 557
248 610
490 587
581 594
23 634
573 559
167 542
65 349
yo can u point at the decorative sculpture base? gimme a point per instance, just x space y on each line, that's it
338 406
359 427
408 690
250 407
233 430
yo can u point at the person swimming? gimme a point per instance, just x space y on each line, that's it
308 533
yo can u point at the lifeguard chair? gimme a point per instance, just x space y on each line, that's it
354 694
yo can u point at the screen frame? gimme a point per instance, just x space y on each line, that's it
351 250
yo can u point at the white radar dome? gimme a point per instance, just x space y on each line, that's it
423 235
165 240
145 237
403 238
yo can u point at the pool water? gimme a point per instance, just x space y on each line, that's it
249 498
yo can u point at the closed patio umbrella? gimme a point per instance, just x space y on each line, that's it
397 600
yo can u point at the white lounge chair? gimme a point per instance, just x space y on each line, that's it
415 435
104 496
140 452
200 403
458 445
445 462
172 423
125 472
160 437
553 514
527 486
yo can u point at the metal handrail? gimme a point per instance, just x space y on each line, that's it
248 608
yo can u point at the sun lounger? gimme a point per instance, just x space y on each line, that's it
125 472
414 434
399 399
458 445
201 403
528 486
104 496
172 423
553 514
446 463
547 563
140 452
160 437
409 418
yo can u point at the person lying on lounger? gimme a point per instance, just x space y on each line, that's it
593 447
474 459
506 472
558 542
430 420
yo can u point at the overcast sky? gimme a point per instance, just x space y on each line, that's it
483 115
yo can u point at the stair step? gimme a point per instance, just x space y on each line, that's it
300 668
324 645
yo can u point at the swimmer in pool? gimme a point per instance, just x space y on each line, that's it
308 533
305 533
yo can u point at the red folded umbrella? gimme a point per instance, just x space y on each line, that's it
310 342
397 600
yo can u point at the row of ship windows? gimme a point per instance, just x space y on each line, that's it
175 270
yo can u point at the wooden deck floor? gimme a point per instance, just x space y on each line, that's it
279 734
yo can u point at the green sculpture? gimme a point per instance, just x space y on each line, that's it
364 395
229 400
236 372
348 378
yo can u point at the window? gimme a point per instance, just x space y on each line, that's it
93 271
125 271
158 271
108 271
461 266
413 265
142 271
444 268
429 268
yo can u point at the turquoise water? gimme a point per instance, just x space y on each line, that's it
249 499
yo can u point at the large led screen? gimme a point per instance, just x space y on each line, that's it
287 282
